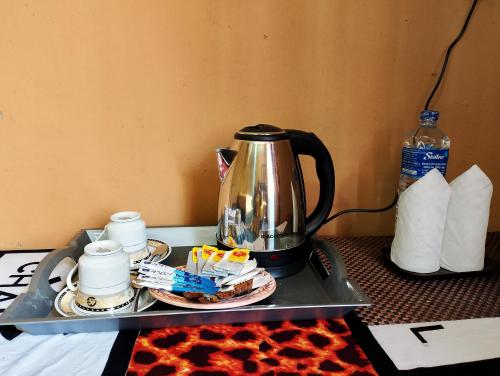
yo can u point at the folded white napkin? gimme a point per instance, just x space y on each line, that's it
467 222
420 224
451 342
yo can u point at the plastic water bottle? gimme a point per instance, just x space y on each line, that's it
426 148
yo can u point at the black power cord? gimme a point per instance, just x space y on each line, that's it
448 52
347 211
436 86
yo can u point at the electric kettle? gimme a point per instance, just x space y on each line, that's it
262 204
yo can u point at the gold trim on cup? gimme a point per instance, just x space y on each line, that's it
105 303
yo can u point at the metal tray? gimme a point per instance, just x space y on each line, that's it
321 290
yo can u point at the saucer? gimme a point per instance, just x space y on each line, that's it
152 245
65 304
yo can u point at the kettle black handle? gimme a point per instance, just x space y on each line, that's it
306 143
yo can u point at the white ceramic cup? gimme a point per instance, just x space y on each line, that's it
129 229
103 277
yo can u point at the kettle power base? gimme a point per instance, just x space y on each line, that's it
321 289
286 270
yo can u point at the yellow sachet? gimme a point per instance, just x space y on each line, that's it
233 261
215 257
240 255
207 251
218 255
194 254
192 261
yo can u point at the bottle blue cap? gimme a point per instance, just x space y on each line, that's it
429 115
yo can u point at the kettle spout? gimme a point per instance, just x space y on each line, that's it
225 157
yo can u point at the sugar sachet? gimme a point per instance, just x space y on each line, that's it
260 280
182 277
174 286
164 271
244 277
220 281
176 283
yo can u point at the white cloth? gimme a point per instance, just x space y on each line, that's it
467 222
51 355
71 354
458 341
420 224
26 354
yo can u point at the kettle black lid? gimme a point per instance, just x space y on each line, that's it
261 132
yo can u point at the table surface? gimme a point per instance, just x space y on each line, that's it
396 298
399 298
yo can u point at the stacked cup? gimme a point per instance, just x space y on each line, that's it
104 279
130 230
104 284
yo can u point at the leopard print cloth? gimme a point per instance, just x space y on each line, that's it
312 347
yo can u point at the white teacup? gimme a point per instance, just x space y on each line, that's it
103 278
130 230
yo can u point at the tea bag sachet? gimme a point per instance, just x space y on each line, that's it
249 266
209 269
204 254
233 261
192 261
199 260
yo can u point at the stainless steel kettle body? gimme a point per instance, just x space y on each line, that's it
262 205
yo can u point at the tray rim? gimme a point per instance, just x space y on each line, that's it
27 322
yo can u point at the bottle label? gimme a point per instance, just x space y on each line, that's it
418 162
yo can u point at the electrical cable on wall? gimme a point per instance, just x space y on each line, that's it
436 86
448 52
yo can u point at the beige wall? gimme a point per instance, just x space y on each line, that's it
114 105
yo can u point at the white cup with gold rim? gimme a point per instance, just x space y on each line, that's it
103 278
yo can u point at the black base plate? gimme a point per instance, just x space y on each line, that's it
489 267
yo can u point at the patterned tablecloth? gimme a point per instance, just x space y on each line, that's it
399 298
